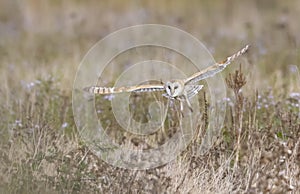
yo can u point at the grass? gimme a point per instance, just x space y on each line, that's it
257 151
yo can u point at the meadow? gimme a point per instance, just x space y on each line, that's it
257 150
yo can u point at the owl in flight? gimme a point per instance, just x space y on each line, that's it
179 89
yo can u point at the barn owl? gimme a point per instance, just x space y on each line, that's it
179 89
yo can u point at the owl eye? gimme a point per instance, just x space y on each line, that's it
169 87
175 87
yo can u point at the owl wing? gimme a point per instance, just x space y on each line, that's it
113 90
214 69
192 90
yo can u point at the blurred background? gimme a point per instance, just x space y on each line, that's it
40 37
42 42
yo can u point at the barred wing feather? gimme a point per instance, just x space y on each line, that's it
113 90
214 69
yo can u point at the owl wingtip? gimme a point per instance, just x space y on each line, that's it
247 47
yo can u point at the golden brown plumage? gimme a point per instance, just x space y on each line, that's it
175 89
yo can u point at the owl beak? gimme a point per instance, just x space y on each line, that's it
173 93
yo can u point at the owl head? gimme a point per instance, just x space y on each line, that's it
174 88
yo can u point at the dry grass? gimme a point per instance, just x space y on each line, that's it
258 151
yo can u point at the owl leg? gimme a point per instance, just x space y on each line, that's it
188 103
181 105
181 108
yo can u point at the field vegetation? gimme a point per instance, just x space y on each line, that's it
257 151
